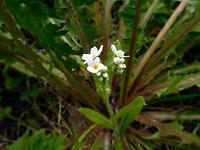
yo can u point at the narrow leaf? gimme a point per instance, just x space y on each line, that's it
130 113
96 117
129 108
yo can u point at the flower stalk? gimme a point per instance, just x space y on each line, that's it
101 77
111 113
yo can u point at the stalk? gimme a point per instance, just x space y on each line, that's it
106 29
154 60
131 51
111 113
78 26
157 41
148 14
158 68
21 59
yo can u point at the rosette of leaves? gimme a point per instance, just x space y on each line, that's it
163 33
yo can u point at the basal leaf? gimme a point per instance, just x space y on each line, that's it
129 113
96 117
39 141
129 108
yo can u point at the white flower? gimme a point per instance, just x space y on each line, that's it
94 66
105 75
104 69
118 53
99 74
122 60
101 79
122 66
87 58
117 60
94 52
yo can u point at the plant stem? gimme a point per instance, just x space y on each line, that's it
144 81
106 29
166 116
111 113
158 68
16 55
171 43
157 41
148 14
131 50
78 26
166 128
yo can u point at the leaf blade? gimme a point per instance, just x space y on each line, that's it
129 114
96 117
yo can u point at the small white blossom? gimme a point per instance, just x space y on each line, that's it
87 58
105 75
122 60
104 69
117 60
94 66
118 53
99 74
94 52
101 79
122 66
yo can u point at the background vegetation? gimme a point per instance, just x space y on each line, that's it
48 100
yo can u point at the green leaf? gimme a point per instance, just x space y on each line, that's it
174 85
5 112
198 84
96 144
39 141
130 107
11 83
21 143
30 93
154 136
79 3
129 113
80 142
96 117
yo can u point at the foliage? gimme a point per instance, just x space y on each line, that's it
46 39
40 141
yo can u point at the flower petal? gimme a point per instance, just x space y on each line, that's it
88 58
94 51
90 61
100 50
120 53
92 70
97 60
117 60
101 66
114 49
85 56
105 75
104 68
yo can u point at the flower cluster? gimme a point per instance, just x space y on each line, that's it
119 58
94 63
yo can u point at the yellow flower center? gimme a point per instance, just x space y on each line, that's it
95 67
